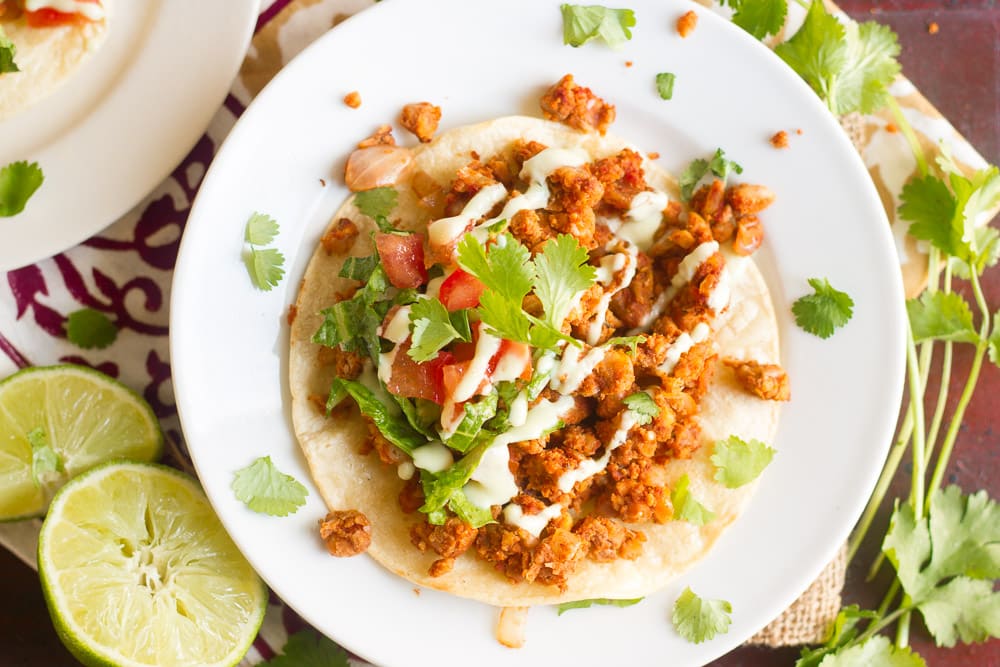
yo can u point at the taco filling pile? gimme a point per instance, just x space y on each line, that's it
519 363
42 42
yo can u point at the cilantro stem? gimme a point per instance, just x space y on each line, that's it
970 385
803 4
917 407
903 629
884 622
908 134
881 488
889 597
946 363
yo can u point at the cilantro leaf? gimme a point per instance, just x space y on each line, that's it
962 609
507 269
843 632
824 311
941 316
265 265
686 508
586 604
261 229
699 168
7 53
698 620
267 490
307 649
983 198
44 459
561 272
432 329
395 429
665 84
644 407
875 652
18 181
631 341
947 562
986 241
994 340
582 23
89 328
849 66
738 462
504 317
929 205
377 202
760 18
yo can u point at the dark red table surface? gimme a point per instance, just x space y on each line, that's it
958 70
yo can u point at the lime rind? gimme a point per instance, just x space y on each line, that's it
171 579
87 417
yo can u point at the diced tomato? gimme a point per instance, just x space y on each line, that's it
516 357
418 380
460 290
47 17
402 258
451 375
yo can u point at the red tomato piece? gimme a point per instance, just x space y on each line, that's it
460 290
402 258
44 18
517 357
418 380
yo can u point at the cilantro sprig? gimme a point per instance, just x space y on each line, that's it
582 23
760 18
825 310
718 164
18 181
265 265
267 490
697 619
434 328
509 274
644 407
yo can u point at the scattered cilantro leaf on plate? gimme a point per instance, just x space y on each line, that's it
44 459
665 84
586 604
760 18
89 329
875 652
561 272
7 54
698 620
644 407
265 265
738 462
947 562
824 311
582 23
849 66
18 181
265 489
686 508
377 202
699 168
307 649
941 316
433 328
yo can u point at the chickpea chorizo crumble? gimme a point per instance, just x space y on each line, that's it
687 23
353 99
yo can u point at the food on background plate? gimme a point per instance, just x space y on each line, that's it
42 43
507 356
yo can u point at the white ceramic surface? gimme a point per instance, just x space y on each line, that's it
123 121
229 340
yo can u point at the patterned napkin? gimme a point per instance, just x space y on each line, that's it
125 272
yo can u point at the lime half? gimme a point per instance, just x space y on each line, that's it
84 416
137 570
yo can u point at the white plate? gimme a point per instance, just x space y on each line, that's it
229 341
122 122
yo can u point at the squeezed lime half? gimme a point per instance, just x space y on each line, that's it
86 417
137 570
